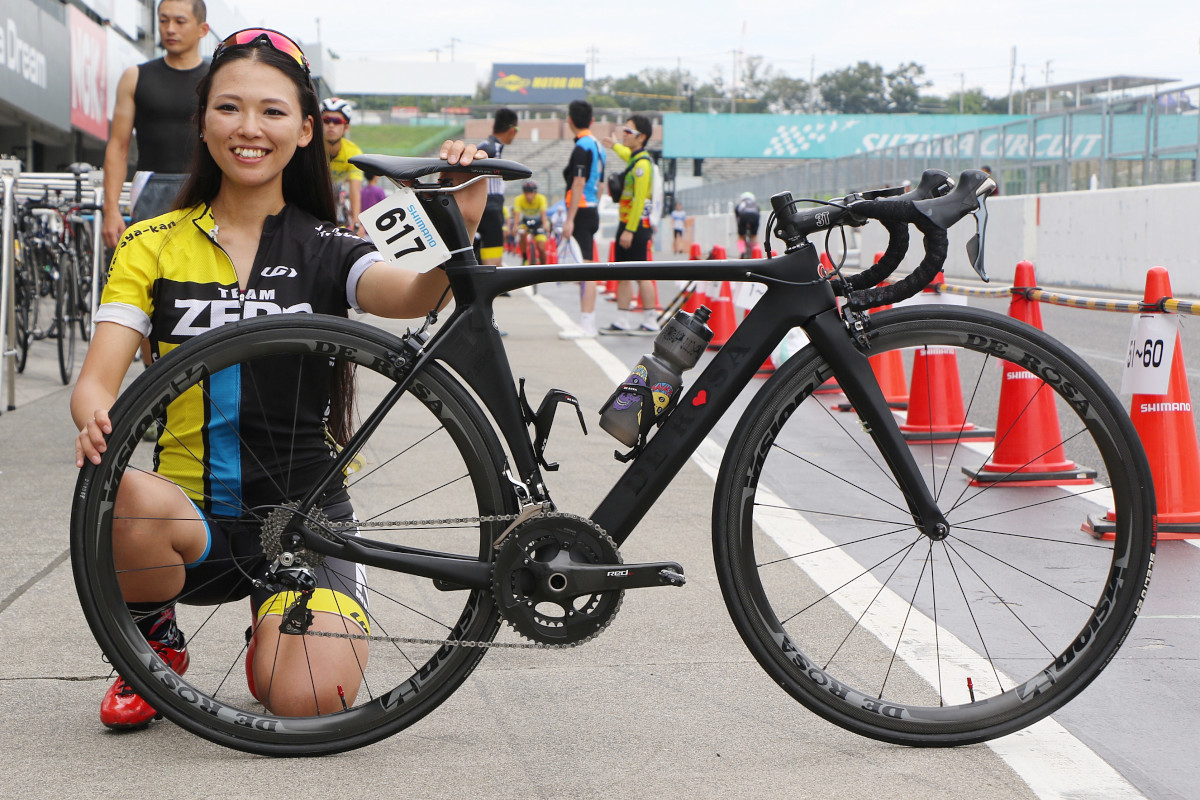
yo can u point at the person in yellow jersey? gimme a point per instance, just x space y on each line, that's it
529 219
636 228
347 178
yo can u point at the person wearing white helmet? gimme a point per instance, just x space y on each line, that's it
746 212
347 178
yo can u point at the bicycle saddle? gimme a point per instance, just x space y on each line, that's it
404 168
79 168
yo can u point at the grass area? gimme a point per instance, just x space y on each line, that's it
402 140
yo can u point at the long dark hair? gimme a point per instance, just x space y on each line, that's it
306 181
306 185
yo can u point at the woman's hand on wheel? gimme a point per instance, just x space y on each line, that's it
90 444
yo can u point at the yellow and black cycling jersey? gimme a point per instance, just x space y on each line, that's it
534 208
635 206
340 168
170 280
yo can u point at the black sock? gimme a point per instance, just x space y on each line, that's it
157 623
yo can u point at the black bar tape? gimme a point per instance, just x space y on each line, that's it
895 213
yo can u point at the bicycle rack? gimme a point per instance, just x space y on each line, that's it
10 170
19 186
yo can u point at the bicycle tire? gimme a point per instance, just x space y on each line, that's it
435 457
24 304
83 275
889 634
65 308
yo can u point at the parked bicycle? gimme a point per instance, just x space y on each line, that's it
54 263
864 573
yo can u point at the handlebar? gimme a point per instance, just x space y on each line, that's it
932 207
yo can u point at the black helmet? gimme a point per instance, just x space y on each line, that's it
529 186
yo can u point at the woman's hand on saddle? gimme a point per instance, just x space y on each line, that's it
471 200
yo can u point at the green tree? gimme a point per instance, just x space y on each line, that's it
860 89
904 86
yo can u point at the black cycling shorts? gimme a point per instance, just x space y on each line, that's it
234 556
637 250
748 224
587 222
491 224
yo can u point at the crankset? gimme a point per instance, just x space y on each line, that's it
558 578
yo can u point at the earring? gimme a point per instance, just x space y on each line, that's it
202 136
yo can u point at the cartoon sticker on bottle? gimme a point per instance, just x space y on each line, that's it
640 377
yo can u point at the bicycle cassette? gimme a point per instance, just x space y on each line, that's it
545 581
276 524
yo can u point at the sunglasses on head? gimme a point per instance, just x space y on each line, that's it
258 37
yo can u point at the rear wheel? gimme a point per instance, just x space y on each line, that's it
426 477
865 620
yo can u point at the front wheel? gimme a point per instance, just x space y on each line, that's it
428 480
885 632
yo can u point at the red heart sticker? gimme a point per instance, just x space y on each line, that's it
701 398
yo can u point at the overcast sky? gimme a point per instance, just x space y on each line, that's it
1157 38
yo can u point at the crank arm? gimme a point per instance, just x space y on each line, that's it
573 580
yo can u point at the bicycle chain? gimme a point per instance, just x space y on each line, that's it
428 523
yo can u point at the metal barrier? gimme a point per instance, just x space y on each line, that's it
1132 141
10 170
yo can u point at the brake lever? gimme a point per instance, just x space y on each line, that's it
975 245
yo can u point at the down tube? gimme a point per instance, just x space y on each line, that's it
780 309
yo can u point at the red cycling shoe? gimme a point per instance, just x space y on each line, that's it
123 709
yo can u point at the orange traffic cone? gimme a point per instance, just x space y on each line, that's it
1029 449
718 253
889 371
1168 432
756 251
695 252
551 251
724 320
935 403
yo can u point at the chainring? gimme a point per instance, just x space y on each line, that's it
522 574
276 524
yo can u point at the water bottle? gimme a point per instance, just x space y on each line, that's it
677 347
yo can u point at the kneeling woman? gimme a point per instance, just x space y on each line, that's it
251 234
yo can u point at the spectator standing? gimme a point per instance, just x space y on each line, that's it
636 228
584 174
679 224
157 100
347 178
490 239
747 214
372 193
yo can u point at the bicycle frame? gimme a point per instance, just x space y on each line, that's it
470 345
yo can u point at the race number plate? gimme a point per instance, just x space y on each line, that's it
403 233
1151 351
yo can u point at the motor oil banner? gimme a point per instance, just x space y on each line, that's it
525 84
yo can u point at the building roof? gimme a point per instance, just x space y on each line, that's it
1091 86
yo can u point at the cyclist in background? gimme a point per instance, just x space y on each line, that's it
489 242
584 175
530 219
747 214
252 234
347 178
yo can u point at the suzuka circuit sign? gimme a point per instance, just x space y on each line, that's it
522 84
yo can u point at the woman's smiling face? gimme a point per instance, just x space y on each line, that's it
253 122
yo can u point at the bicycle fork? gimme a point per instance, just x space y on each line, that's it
857 380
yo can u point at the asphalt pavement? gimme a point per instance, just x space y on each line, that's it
666 702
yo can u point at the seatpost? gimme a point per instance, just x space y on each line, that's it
443 211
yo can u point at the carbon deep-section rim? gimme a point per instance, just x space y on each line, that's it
897 637
433 457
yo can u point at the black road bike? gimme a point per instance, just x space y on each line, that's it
867 576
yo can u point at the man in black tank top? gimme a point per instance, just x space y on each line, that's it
158 99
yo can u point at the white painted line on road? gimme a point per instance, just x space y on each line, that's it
1051 760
